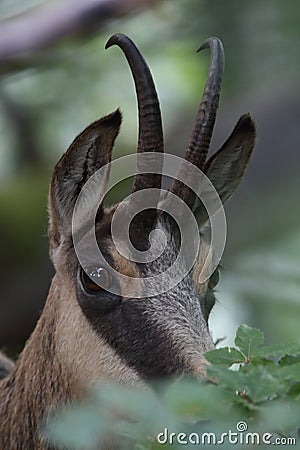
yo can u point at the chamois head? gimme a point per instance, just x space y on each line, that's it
105 329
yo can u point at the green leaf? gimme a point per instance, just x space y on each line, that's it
291 372
262 385
277 350
254 382
248 340
189 397
294 392
226 356
288 360
226 378
136 405
79 427
281 415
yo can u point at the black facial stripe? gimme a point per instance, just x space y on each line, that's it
124 325
135 338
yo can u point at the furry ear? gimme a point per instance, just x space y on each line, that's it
226 167
89 151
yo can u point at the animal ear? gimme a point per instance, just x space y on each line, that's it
226 167
89 151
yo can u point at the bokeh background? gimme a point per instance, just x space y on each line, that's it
56 77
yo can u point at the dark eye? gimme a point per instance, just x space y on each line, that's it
96 280
214 279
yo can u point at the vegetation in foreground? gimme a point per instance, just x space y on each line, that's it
252 397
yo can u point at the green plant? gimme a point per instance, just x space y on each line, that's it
251 397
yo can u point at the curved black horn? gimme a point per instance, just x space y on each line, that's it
150 124
197 149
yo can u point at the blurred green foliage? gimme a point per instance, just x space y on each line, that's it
261 396
23 216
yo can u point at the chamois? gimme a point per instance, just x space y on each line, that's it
87 333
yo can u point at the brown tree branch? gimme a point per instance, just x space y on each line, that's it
31 32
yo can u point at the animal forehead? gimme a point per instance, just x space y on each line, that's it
103 226
106 245
163 239
109 243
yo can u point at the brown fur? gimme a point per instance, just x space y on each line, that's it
31 390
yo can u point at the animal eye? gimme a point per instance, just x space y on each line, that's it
96 280
214 279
